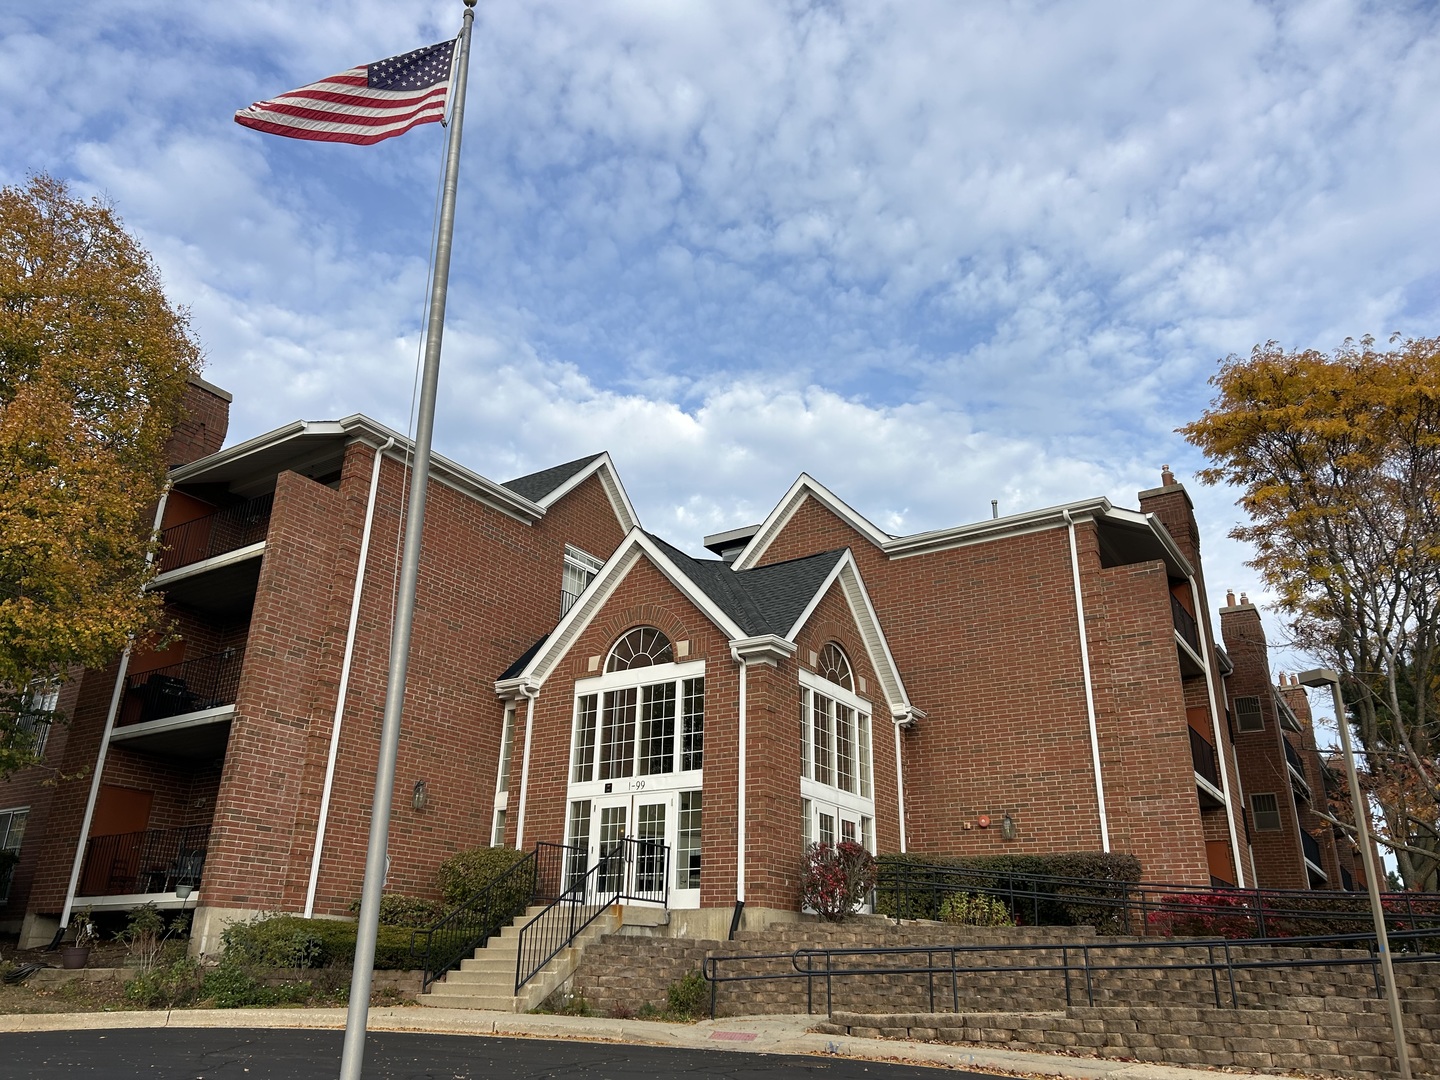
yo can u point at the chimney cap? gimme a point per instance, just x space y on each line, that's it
1167 478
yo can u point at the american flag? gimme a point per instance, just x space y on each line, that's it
363 105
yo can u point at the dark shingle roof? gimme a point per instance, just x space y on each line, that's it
537 485
765 600
519 665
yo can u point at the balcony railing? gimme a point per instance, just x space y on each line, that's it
225 530
204 683
153 861
1203 756
1310 846
1297 777
567 601
1185 624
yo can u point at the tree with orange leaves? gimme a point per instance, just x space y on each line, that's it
93 366
1338 460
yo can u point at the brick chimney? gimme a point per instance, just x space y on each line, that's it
1171 504
201 429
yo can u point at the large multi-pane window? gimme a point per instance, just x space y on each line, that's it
836 784
632 731
12 832
637 753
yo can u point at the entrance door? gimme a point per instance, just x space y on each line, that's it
642 871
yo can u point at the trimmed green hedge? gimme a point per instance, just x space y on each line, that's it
916 886
289 941
467 872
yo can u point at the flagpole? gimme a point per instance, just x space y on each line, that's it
362 978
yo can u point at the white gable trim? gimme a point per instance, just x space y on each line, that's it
847 574
609 480
582 613
804 487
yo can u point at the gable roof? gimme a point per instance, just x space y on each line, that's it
535 486
766 600
767 604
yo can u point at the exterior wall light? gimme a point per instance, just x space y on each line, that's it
421 797
1008 828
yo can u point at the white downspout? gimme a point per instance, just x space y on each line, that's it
900 788
1089 690
740 800
1215 726
104 748
530 692
345 662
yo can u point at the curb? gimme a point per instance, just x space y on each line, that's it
753 1034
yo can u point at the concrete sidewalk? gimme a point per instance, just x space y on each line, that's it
756 1034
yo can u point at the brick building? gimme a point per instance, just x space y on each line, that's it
1045 681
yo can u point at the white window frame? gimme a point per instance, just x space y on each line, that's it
39 698
577 563
636 679
502 776
1256 812
817 796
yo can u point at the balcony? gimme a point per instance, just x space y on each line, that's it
1185 624
144 863
1311 847
226 530
1297 770
183 710
1207 771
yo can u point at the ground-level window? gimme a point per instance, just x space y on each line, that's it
12 832
502 776
836 785
636 760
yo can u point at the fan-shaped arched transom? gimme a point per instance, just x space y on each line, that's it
834 666
642 647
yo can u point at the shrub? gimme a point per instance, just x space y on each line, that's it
975 909
836 878
467 872
1091 893
289 941
143 936
166 986
688 998
231 986
414 912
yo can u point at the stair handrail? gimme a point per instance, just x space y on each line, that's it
613 878
471 923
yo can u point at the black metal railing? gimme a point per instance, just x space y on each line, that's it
203 683
628 869
906 890
1292 757
152 861
1202 755
214 534
567 601
1185 624
1310 846
472 922
1085 964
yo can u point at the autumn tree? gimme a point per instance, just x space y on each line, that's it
1338 459
94 362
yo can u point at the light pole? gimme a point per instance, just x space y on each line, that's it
1327 677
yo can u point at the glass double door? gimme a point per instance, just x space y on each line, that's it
633 838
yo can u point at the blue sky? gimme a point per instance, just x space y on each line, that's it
932 253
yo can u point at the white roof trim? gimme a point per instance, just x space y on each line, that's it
614 490
805 486
635 545
1051 517
847 574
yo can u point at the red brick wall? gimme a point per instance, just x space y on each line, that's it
201 430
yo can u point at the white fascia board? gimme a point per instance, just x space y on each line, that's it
847 573
450 473
1157 527
1050 517
805 486
635 545
198 467
614 490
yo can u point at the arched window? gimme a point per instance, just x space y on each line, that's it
834 666
642 647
